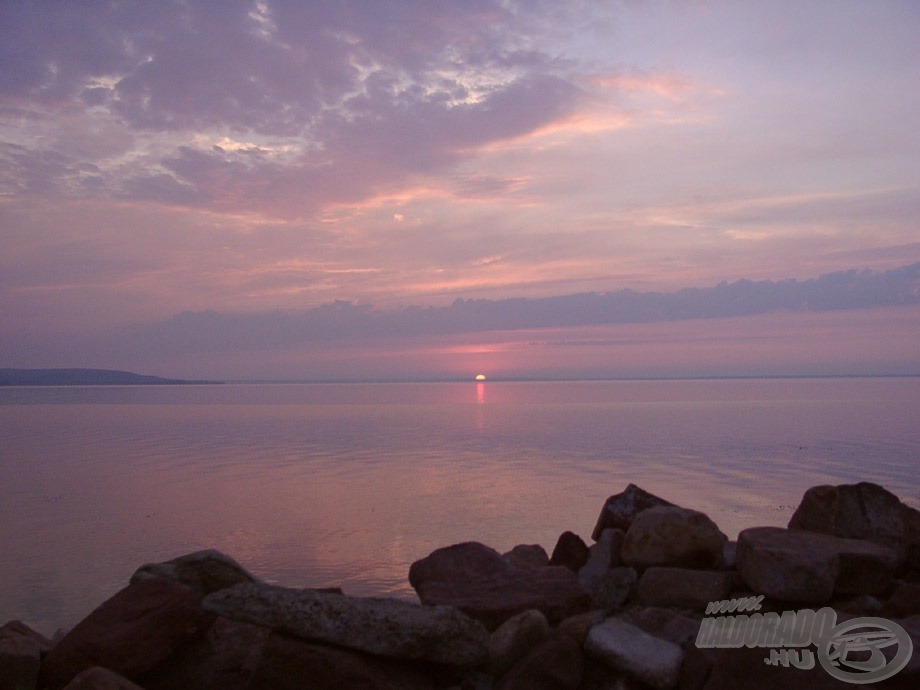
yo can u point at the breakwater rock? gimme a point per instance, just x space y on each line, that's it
661 599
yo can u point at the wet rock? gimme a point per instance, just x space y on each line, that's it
860 511
20 657
644 657
672 536
620 510
557 664
526 556
683 587
386 627
800 566
570 552
488 589
130 633
203 571
514 638
99 678
602 556
292 664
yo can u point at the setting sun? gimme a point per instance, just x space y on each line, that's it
480 377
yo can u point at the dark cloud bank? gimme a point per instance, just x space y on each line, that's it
211 331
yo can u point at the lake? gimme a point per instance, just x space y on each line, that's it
347 484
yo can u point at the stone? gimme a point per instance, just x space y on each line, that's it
385 627
292 664
904 602
526 556
667 624
629 649
577 627
476 580
570 552
729 554
514 638
603 555
683 587
613 589
557 664
620 510
672 536
203 571
99 678
20 657
130 633
860 511
14 629
808 567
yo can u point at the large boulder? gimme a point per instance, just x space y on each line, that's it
861 511
621 509
603 555
557 664
292 664
683 587
526 556
808 567
130 633
514 638
629 649
476 580
203 571
385 627
673 536
665 623
570 552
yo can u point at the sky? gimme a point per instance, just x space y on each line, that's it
286 189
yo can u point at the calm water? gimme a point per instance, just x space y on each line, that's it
318 485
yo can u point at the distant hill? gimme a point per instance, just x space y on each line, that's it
82 377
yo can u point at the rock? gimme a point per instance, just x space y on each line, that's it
203 571
672 536
683 588
290 664
800 566
526 556
905 602
571 552
620 510
729 554
15 629
602 555
130 633
644 657
99 678
613 589
664 623
514 638
20 657
475 579
557 664
860 511
577 627
386 627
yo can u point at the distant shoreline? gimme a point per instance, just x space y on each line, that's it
86 377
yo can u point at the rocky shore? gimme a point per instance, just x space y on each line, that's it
659 599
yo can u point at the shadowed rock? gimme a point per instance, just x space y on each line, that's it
683 588
99 678
203 571
672 536
570 552
386 627
474 578
526 556
620 510
644 657
557 664
515 638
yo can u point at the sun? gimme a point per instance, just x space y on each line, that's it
480 377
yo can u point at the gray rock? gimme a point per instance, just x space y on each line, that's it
526 556
644 657
620 510
514 638
203 571
602 555
99 678
860 511
672 536
386 627
801 566
19 662
683 587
